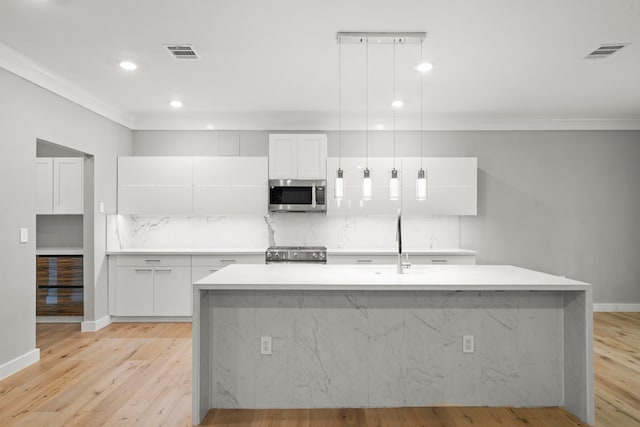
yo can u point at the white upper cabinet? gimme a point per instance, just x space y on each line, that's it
283 156
155 185
312 156
230 185
59 185
297 156
44 185
452 186
156 171
192 185
352 203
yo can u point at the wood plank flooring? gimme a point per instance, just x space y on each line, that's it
139 374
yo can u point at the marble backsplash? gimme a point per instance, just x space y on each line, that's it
352 232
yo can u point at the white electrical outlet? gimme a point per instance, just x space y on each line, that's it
265 345
24 235
467 344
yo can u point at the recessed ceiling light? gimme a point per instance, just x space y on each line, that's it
127 65
211 127
397 103
424 67
175 103
379 126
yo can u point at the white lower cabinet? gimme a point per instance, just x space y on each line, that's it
172 291
162 286
378 259
150 286
133 287
203 265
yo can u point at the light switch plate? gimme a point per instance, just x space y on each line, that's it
265 345
101 207
468 344
24 235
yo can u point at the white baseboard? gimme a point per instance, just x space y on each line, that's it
20 362
95 325
58 319
151 319
616 307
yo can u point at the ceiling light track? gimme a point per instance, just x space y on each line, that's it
377 37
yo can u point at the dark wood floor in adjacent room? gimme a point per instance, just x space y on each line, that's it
139 374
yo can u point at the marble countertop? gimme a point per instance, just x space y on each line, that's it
330 251
385 277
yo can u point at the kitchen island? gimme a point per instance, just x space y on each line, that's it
365 336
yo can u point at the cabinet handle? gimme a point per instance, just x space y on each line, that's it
163 270
143 270
214 269
438 261
364 260
228 260
151 260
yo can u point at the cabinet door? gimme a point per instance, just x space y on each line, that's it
230 200
230 171
155 200
312 156
134 291
172 290
68 178
283 156
451 186
44 185
143 170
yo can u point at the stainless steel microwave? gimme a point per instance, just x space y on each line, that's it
295 195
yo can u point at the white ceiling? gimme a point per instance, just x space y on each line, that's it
274 64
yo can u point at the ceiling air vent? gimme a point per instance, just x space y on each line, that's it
606 50
182 51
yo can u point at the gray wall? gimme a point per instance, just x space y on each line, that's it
28 113
563 202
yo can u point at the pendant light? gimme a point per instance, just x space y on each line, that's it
339 184
421 181
367 185
394 183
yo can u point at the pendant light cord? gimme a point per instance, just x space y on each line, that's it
393 108
339 103
367 101
421 105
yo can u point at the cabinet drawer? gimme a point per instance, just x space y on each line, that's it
219 261
442 259
198 273
153 260
362 259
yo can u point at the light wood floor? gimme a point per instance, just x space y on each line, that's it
140 375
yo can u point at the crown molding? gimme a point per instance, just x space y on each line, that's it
295 121
30 70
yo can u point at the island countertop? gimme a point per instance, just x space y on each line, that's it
384 277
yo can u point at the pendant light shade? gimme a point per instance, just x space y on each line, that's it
367 185
394 185
339 185
421 185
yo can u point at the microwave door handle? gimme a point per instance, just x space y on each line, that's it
313 196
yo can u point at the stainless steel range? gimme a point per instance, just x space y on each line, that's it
314 254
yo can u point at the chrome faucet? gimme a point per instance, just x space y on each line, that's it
401 265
